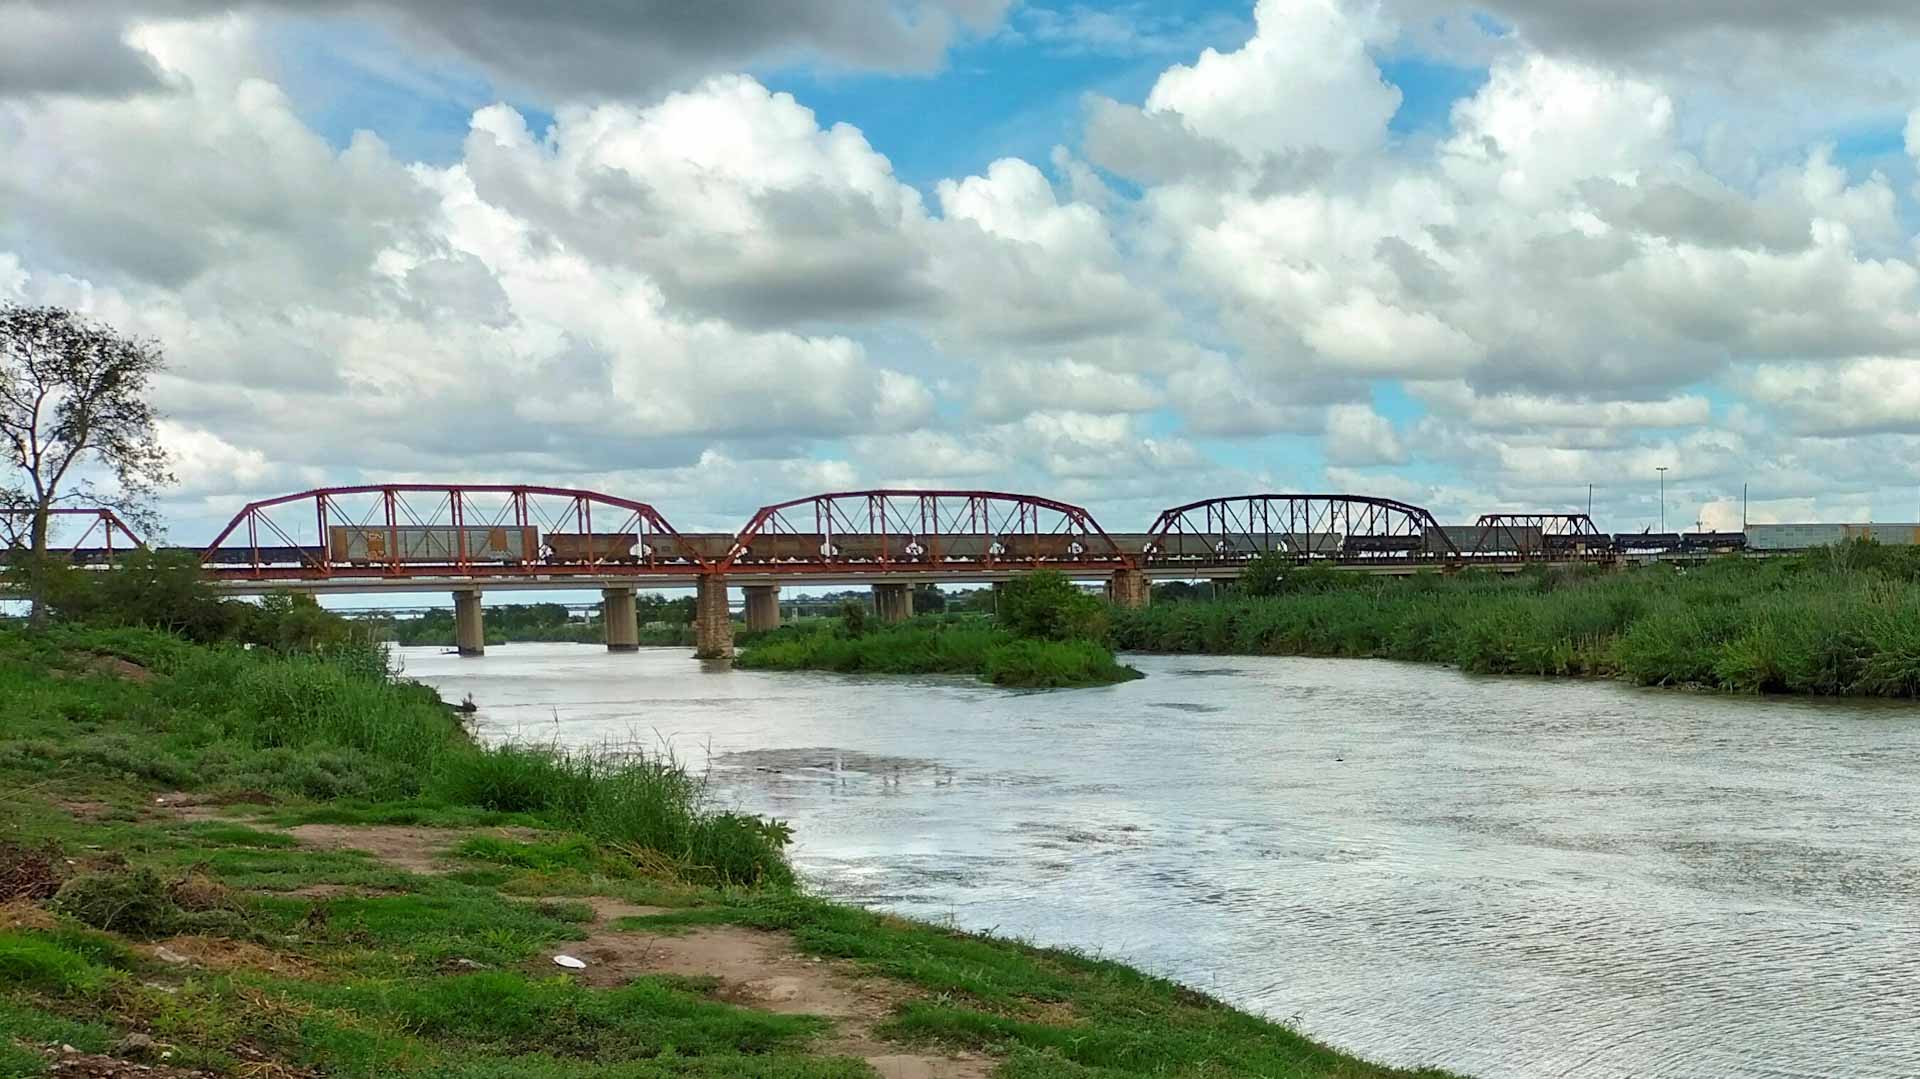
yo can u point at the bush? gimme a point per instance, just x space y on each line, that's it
1046 606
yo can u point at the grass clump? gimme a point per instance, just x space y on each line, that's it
1825 624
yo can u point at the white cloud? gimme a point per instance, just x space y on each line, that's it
1578 277
1357 435
1304 80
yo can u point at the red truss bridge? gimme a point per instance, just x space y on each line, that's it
470 538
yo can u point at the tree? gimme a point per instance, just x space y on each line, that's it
1047 606
73 398
928 599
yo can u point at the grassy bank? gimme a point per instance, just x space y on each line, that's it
938 647
1828 623
293 866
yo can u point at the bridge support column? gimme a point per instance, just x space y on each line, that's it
893 602
999 594
1130 588
469 631
763 606
712 622
623 625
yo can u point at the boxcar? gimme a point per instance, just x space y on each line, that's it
430 544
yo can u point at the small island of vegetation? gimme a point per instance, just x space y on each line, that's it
1047 635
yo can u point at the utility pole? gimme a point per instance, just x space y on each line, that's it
1743 508
1589 501
1662 469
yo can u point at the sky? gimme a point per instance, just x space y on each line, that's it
1479 257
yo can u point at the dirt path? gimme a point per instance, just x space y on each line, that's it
755 969
762 970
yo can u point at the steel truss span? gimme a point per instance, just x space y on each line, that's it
411 531
925 530
1332 526
103 534
1536 534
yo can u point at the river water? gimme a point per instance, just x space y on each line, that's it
1505 877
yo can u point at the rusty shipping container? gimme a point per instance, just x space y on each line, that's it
430 544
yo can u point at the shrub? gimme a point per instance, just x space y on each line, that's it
1046 606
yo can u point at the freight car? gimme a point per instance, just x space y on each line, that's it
1381 545
1713 542
590 547
362 545
1646 541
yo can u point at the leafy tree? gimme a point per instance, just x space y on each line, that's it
853 617
73 398
1046 605
928 599
1277 573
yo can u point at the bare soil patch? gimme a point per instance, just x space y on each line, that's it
605 908
416 850
24 914
221 953
762 970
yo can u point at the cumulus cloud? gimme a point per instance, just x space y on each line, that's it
1357 435
597 49
688 274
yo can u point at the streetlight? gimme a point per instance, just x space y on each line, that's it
1662 469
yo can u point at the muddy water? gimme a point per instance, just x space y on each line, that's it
1503 877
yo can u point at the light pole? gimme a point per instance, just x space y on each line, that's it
1662 469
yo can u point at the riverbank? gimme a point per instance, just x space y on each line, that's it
1830 623
238 863
934 646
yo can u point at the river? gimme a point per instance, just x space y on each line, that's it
1505 877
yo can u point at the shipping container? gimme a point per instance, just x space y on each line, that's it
430 544
593 546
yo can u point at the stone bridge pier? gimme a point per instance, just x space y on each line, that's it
893 602
623 622
712 621
469 631
1130 588
763 606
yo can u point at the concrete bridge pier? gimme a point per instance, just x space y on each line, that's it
623 623
712 622
893 602
763 606
469 631
1129 588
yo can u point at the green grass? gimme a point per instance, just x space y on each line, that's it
341 729
1828 623
384 972
936 646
